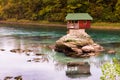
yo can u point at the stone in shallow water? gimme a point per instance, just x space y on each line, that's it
18 78
8 78
39 54
29 60
36 59
17 50
77 44
2 49
11 78
111 51
88 48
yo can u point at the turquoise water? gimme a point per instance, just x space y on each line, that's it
105 36
52 66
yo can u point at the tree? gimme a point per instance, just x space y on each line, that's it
117 10
56 10
111 71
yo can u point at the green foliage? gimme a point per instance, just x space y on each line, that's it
117 10
111 71
56 10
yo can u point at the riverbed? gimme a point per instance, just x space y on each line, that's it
36 60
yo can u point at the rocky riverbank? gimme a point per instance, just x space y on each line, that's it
77 43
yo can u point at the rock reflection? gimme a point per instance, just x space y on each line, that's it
78 69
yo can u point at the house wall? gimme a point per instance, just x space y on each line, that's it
84 24
88 24
81 24
72 25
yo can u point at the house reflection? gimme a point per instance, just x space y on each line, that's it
78 69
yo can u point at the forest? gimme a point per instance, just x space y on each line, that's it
56 10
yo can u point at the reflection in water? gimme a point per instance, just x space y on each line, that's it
10 42
19 45
59 66
98 62
77 69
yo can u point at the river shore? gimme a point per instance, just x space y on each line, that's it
93 26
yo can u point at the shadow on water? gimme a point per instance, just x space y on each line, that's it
27 49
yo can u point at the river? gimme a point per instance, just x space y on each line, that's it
48 64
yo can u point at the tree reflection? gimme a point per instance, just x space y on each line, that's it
59 66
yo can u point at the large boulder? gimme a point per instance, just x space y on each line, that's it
77 43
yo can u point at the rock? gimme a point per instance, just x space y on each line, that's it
17 50
97 47
2 49
18 78
36 59
27 50
39 54
28 54
29 60
51 46
79 51
77 43
88 49
111 51
92 54
85 55
8 78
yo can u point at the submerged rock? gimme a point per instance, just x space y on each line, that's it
111 51
36 59
8 78
18 78
2 49
77 43
13 78
17 50
20 51
40 54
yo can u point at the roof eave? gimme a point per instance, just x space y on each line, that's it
79 19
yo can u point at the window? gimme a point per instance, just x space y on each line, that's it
75 21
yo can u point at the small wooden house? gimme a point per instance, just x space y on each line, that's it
78 20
